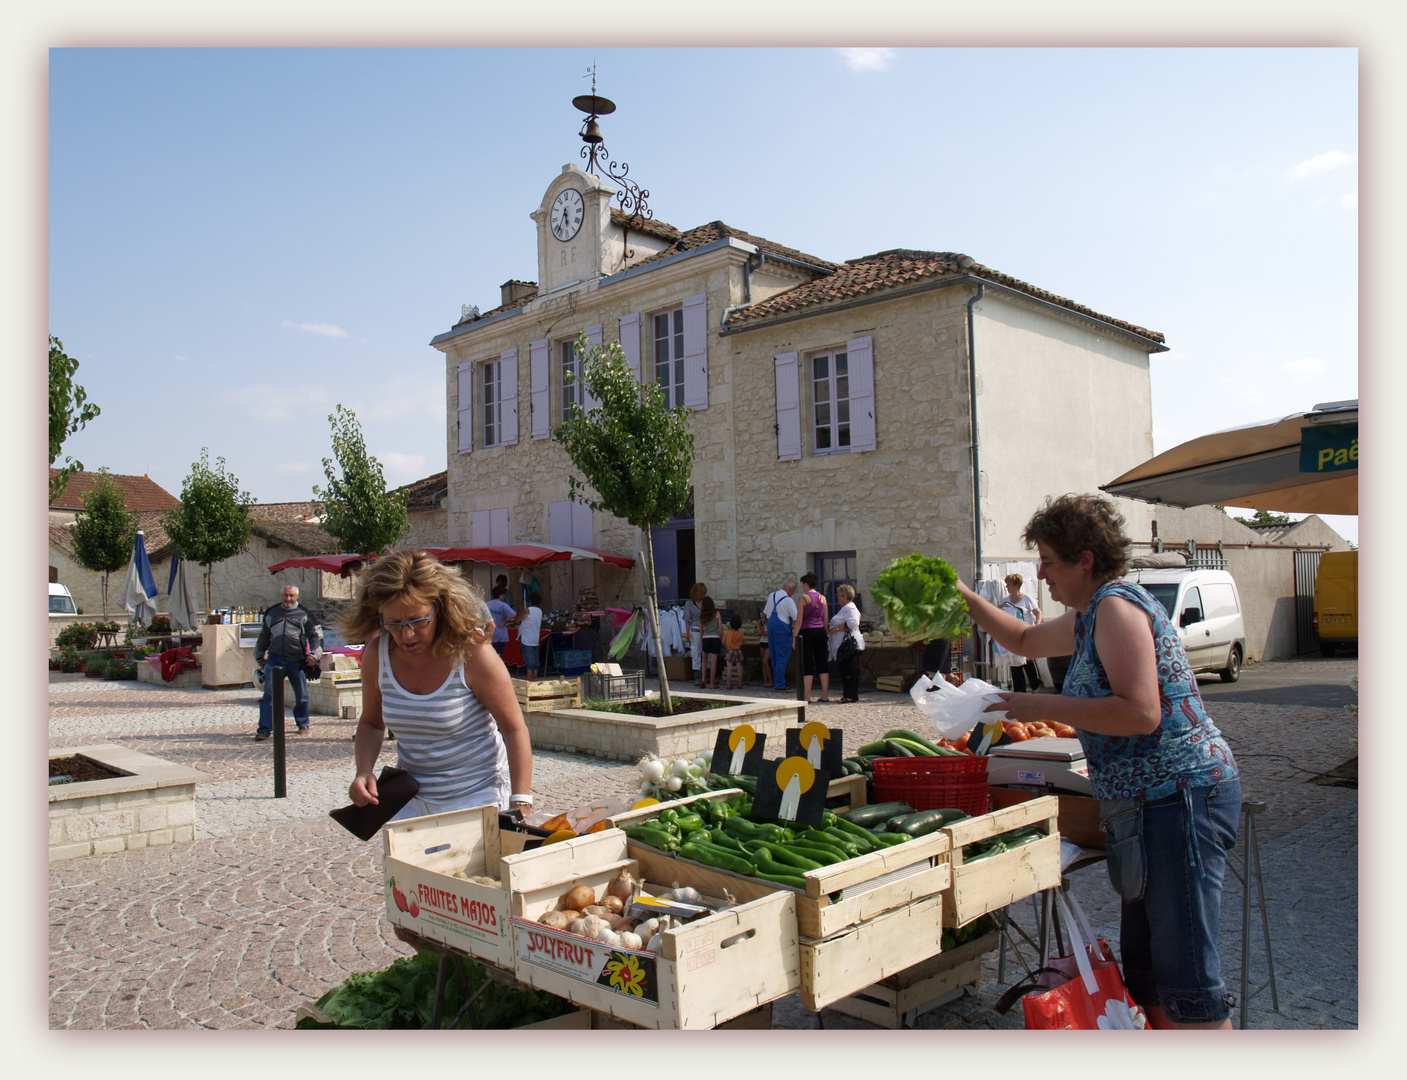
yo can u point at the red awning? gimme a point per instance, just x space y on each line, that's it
345 565
527 556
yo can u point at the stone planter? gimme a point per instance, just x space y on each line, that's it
153 804
623 737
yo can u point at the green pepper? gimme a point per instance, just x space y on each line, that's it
689 822
718 858
653 837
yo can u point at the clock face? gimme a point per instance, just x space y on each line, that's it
567 212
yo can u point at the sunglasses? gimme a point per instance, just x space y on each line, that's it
414 624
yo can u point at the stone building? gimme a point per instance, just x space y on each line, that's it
843 413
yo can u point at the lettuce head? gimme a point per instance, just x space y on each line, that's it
919 597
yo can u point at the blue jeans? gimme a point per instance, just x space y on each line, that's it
301 705
1167 862
779 641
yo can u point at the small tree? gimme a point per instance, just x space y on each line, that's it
69 411
365 518
212 522
635 454
1266 517
103 534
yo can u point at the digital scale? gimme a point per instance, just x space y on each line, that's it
1047 765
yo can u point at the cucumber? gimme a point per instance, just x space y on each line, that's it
869 816
926 821
913 737
914 748
898 749
874 749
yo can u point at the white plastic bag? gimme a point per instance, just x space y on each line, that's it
956 710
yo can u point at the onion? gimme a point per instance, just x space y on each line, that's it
614 903
557 920
646 787
673 783
622 887
681 768
599 910
653 771
579 898
629 940
622 922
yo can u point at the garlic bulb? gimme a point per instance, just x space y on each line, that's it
629 940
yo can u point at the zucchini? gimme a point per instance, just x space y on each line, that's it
996 849
868 816
926 821
898 749
874 749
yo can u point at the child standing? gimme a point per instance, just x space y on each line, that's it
711 635
733 652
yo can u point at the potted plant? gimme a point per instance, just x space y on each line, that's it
160 625
53 663
96 668
76 636
68 660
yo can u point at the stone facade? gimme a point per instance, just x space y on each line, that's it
1063 403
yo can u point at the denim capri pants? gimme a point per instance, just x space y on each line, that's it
530 656
1167 861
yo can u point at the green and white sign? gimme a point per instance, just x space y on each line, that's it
1327 449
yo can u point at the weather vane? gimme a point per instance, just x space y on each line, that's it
631 196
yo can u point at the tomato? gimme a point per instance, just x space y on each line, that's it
961 744
1064 731
1015 731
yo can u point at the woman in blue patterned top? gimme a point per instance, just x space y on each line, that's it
1168 787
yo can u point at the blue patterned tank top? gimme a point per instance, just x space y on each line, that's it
446 739
1186 750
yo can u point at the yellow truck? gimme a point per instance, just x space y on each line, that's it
1336 601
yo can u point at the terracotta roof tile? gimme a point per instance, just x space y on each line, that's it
717 230
142 492
301 537
420 494
149 521
288 511
894 269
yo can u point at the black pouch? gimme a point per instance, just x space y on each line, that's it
394 788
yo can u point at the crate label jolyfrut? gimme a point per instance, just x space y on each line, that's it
623 971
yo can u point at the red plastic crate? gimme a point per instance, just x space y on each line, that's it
933 783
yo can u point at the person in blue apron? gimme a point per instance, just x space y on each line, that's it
780 614
1168 787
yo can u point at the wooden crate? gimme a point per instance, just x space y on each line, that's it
896 684
998 881
870 951
897 1001
759 1019
705 973
420 856
544 695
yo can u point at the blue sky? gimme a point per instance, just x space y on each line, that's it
240 239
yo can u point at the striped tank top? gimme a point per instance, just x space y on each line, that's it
447 739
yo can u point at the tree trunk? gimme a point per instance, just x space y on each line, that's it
652 614
209 597
105 577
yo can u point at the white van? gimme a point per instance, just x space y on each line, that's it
61 600
1206 609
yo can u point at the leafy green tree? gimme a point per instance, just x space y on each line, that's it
365 518
104 532
69 411
212 522
635 454
1266 517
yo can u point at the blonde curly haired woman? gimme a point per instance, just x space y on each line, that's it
430 670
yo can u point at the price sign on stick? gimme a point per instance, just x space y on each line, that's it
819 745
790 791
738 751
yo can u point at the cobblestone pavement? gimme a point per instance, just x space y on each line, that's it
272 904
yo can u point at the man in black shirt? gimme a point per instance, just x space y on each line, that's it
290 639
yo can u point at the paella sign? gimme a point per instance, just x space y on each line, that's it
1330 448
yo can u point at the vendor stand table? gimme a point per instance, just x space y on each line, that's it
497 980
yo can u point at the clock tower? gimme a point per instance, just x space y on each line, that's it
573 230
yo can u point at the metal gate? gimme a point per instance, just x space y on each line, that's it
1306 569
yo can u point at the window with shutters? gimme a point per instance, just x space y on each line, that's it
833 568
830 402
668 355
570 367
492 399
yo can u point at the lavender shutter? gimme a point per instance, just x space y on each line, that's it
862 425
696 351
466 407
788 407
508 397
594 334
630 341
559 523
582 532
498 527
481 528
537 380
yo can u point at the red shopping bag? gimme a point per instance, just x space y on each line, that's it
1086 990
